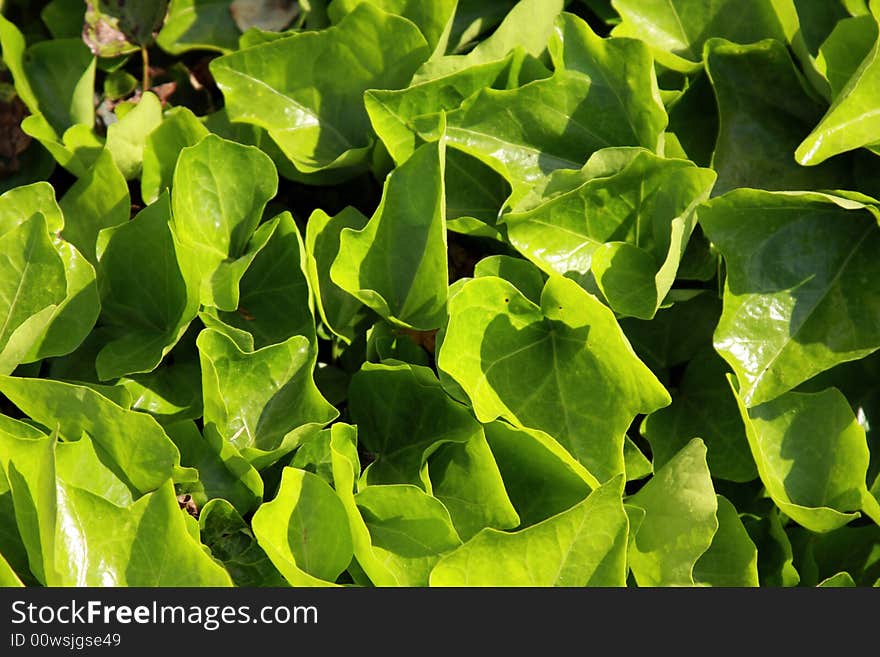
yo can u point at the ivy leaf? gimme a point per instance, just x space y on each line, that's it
565 349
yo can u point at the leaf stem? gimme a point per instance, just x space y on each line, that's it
145 79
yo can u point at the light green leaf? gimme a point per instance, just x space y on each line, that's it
264 402
677 29
218 196
346 470
22 203
78 464
339 310
179 129
852 120
318 119
8 578
466 479
521 273
145 323
135 446
98 200
584 546
403 416
76 150
529 132
126 137
397 263
541 478
624 220
32 285
394 112
703 407
434 19
528 25
840 580
622 76
304 530
763 118
795 299
198 25
845 49
149 545
410 531
27 461
680 520
812 457
732 559
560 367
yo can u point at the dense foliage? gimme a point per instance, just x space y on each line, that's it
460 292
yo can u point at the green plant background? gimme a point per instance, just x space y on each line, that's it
455 293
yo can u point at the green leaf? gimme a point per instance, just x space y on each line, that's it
144 326
274 302
623 221
149 532
304 530
179 129
812 457
434 19
851 121
397 263
529 132
76 149
23 203
403 416
528 25
223 473
763 118
346 470
410 531
622 76
126 137
846 47
264 402
132 444
219 192
198 25
32 285
394 113
680 520
8 578
466 479
541 478
557 368
96 201
677 29
231 540
703 407
795 299
27 461
521 273
339 310
54 78
840 580
732 558
584 546
318 119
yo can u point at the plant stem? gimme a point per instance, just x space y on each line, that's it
145 79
